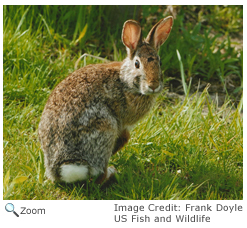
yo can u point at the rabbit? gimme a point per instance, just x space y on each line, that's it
88 116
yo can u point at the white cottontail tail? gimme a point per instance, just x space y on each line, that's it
88 115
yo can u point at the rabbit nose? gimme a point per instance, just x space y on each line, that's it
154 85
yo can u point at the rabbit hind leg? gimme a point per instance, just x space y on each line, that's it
100 141
70 173
107 175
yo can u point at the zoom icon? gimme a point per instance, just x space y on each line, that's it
9 207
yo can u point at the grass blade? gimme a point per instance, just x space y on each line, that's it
186 91
21 21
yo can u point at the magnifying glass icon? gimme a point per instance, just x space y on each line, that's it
10 208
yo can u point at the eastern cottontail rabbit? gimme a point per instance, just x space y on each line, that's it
88 115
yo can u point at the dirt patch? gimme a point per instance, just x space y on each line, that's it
217 91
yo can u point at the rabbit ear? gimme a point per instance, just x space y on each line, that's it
131 36
160 32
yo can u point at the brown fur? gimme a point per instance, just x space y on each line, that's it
88 115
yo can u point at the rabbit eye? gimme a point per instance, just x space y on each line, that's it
137 64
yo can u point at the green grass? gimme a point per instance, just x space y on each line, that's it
181 150
188 151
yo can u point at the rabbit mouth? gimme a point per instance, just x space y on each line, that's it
146 88
149 90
